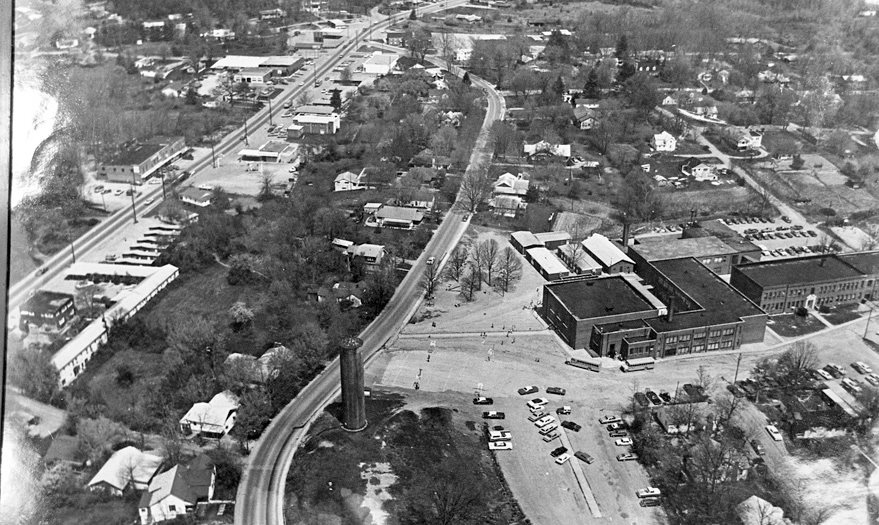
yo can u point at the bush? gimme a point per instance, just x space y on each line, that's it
829 212
801 312
824 309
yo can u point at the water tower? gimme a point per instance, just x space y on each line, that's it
353 402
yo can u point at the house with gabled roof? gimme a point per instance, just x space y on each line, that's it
611 258
398 217
371 255
127 467
509 184
178 491
545 149
700 169
585 117
213 419
664 141
348 181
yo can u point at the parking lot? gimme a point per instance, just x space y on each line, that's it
779 238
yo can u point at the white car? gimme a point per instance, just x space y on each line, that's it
117 192
649 492
155 180
500 445
774 433
604 420
149 201
545 420
499 435
540 414
822 375
872 378
862 367
623 442
561 460
565 410
549 428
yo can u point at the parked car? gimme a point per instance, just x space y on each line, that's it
774 433
628 456
570 425
525 390
650 502
851 385
551 436
540 401
561 460
835 370
623 442
654 399
604 420
500 445
582 456
618 434
500 435
483 401
821 375
545 420
862 367
558 452
872 378
548 429
758 448
641 399
665 396
616 426
537 415
649 492
493 414
563 410
559 391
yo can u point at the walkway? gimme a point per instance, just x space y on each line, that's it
581 477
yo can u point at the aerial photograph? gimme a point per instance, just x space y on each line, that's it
441 262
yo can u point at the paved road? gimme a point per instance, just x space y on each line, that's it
260 498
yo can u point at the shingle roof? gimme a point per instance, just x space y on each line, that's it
398 213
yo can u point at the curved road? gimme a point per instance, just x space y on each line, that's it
260 498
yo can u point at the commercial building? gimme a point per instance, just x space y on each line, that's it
318 124
611 258
715 254
47 311
380 63
398 217
680 307
809 282
257 76
137 160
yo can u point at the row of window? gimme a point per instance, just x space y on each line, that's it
700 335
710 260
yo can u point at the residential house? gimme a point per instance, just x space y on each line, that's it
423 200
196 196
757 511
272 14
127 467
45 311
213 419
588 103
177 491
705 109
341 245
748 138
509 184
426 158
585 117
253 370
370 255
664 141
398 217
506 205
395 38
669 100
545 149
700 169
348 181
347 294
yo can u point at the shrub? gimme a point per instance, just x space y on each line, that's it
829 212
801 312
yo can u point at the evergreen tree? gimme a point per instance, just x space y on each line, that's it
591 89
466 79
336 99
412 15
622 51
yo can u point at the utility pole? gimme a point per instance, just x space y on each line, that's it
270 112
133 209
213 154
867 328
738 362
246 142
164 195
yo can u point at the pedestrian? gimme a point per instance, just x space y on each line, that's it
428 358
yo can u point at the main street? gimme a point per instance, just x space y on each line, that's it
260 498
55 265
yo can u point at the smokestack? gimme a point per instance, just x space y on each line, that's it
626 227
353 403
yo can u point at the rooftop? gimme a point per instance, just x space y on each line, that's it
553 236
315 109
720 303
723 232
865 262
43 301
133 155
127 465
398 213
547 260
662 248
604 250
803 270
526 239
196 194
613 295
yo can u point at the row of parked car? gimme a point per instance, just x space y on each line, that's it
792 251
687 394
751 220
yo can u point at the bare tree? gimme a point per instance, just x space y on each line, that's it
684 415
265 186
704 380
470 283
475 188
448 48
345 74
509 268
726 407
457 262
502 135
798 361
490 252
430 279
304 98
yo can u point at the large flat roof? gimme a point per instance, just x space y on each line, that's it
865 262
547 260
720 303
731 237
804 270
659 249
600 297
45 301
134 155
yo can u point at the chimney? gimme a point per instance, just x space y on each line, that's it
626 227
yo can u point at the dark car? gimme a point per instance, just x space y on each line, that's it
493 415
641 399
654 399
483 401
758 448
527 390
582 456
559 391
616 426
649 502
570 425
499 428
735 391
558 452
665 396
618 434
835 372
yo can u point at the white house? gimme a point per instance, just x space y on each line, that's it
748 139
213 419
585 117
370 254
700 170
544 148
348 181
196 197
669 101
664 141
509 184
126 467
177 492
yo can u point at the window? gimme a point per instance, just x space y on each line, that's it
714 333
698 348
172 508
671 339
684 337
713 346
726 344
728 331
699 335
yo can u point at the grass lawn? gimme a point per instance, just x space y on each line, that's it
398 460
842 314
790 325
118 511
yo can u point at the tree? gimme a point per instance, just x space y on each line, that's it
523 82
591 88
60 485
37 376
304 98
336 99
643 94
636 198
442 142
448 48
412 15
96 436
475 188
818 102
774 103
457 262
489 251
265 186
797 163
509 269
242 316
470 283
345 75
622 48
418 41
430 279
254 415
191 97
446 494
797 363
502 136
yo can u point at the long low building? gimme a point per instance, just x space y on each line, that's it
71 359
135 162
545 262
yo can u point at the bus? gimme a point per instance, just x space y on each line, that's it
582 359
641 363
